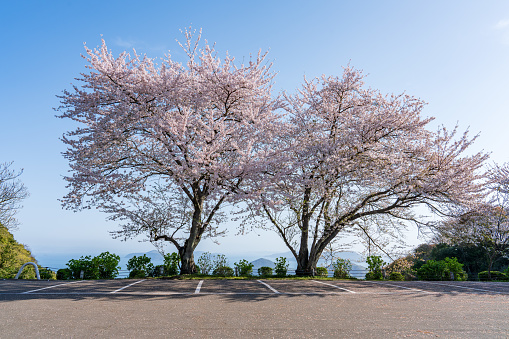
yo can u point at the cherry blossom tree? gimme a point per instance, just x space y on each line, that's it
485 225
351 155
201 128
12 192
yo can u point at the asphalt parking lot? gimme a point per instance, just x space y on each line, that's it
253 308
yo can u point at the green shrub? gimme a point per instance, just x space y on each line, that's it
136 274
396 276
342 268
265 271
223 271
83 264
375 264
243 268
107 265
103 266
441 270
321 272
495 275
46 273
172 263
64 274
205 263
281 267
140 266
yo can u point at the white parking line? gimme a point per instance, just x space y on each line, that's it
407 288
134 283
468 288
341 288
45 288
198 288
269 287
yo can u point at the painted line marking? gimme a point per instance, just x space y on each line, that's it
45 288
198 288
341 288
468 288
408 288
269 287
134 283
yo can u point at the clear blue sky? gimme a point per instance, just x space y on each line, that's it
452 54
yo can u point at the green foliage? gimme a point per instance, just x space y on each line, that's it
205 263
12 256
64 274
403 266
441 270
219 261
243 268
495 276
172 263
265 271
281 267
396 276
321 272
46 273
223 271
85 264
140 266
107 265
375 265
103 266
342 268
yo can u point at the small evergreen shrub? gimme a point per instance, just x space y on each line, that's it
46 273
172 263
321 272
342 268
375 264
396 276
281 267
140 266
64 274
265 271
441 270
243 268
223 271
205 263
495 276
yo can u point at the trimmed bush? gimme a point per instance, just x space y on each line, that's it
396 276
46 273
321 272
265 271
441 270
495 276
223 271
64 274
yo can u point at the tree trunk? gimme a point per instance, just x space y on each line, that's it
187 265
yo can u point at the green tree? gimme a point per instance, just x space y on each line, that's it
139 266
375 265
12 256
172 263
